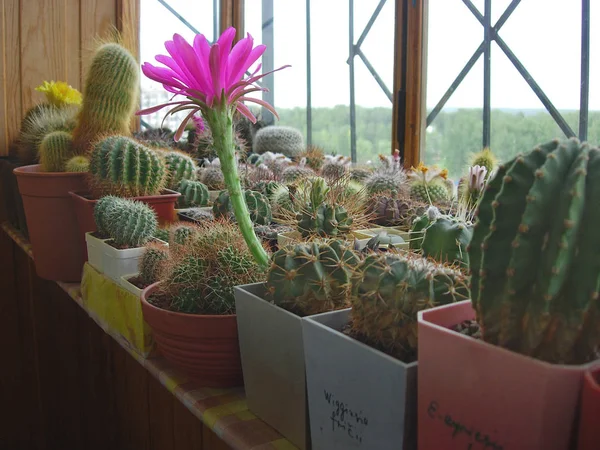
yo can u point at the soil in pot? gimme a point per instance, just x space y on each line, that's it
137 282
195 215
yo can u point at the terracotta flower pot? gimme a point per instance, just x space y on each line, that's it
51 221
589 432
163 205
204 347
474 395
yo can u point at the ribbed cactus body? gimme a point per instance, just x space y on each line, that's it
213 178
55 150
124 167
104 210
78 164
279 139
446 240
388 290
179 167
109 97
294 173
193 193
129 223
535 254
311 278
181 234
395 211
335 167
152 261
386 180
325 220
258 207
360 174
431 192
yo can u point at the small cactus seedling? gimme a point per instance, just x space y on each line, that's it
193 193
311 278
55 150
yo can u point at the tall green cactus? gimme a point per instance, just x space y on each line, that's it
129 223
535 258
311 278
109 97
121 166
55 150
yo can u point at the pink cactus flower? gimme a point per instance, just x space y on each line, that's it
477 178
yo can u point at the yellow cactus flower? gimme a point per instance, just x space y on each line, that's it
59 93
444 174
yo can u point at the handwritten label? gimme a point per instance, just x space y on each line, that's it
476 438
344 419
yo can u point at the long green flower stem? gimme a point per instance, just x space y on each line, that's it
221 125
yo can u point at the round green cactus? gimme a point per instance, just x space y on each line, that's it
193 193
335 167
311 278
121 166
294 173
78 164
385 180
179 167
324 220
109 98
258 206
279 139
55 150
534 254
132 224
431 192
484 158
181 234
212 177
388 290
152 261
446 240
104 209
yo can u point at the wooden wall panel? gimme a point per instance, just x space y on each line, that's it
52 40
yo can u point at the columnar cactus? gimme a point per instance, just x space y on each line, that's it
122 166
129 223
279 139
388 290
258 206
55 150
311 278
109 97
78 164
152 261
193 193
535 254
179 167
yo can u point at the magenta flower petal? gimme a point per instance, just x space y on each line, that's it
181 128
260 102
215 66
153 109
188 56
237 57
243 109
225 41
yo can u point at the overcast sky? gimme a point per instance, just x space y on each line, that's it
544 34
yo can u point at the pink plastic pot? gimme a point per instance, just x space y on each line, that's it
205 347
163 205
473 395
589 425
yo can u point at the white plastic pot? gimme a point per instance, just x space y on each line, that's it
95 251
117 263
125 284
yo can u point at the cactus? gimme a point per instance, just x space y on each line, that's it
535 254
109 97
55 150
335 167
446 240
484 158
199 277
181 234
193 193
212 177
268 188
152 262
324 220
162 234
78 164
386 180
271 166
279 139
104 209
391 211
389 289
130 223
470 189
39 122
311 278
294 173
123 167
360 174
315 157
179 167
428 185
281 202
258 206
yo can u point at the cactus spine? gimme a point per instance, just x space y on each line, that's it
151 262
193 193
129 223
535 254
123 167
179 167
109 98
78 164
55 150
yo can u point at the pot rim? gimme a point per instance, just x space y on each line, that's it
28 171
80 194
151 288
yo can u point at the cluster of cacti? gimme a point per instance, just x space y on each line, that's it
199 277
388 290
152 261
258 206
429 185
55 150
121 166
335 167
279 139
193 193
310 278
442 237
534 254
129 223
315 157
179 167
294 173
390 211
78 164
319 218
40 121
109 98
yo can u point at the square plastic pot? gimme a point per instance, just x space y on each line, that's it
476 395
130 287
358 397
272 354
95 251
117 262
